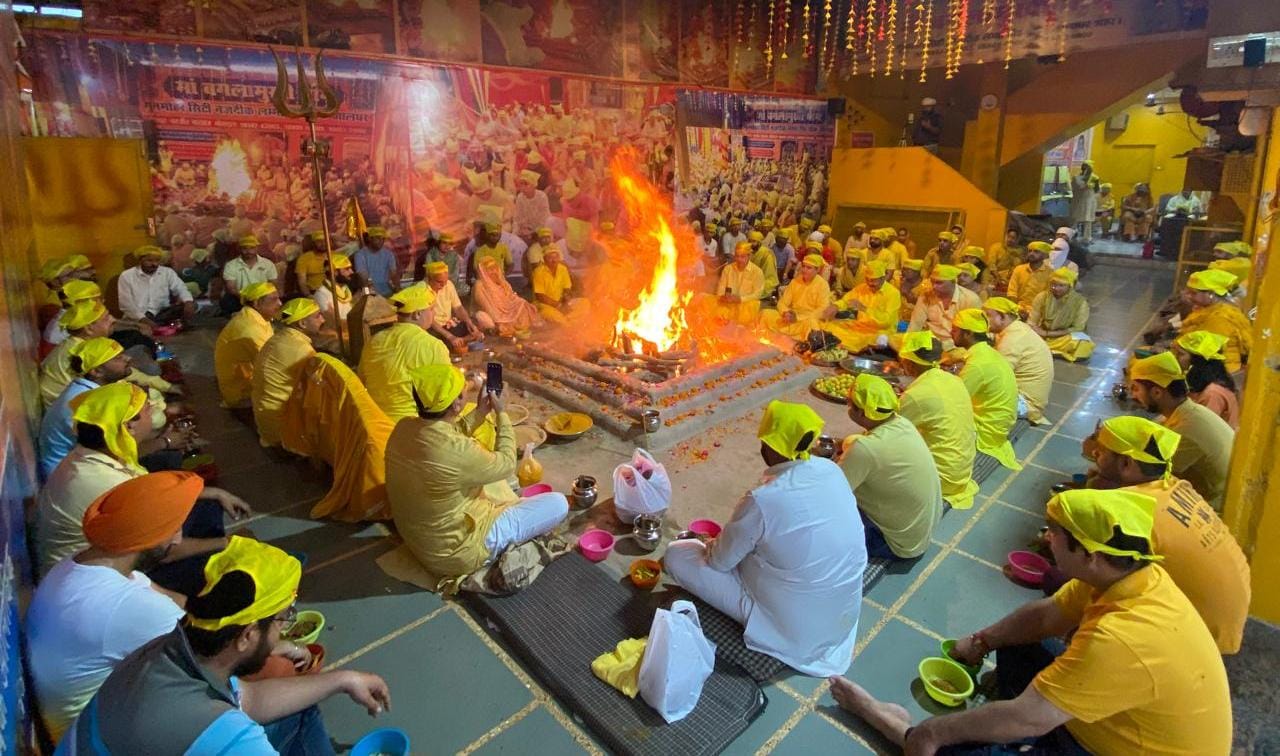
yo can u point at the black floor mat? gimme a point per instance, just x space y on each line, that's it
573 613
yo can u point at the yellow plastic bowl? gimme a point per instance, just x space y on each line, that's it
568 424
936 672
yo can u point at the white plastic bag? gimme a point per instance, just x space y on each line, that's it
677 661
640 488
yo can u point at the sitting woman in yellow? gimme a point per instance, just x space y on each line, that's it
740 289
241 338
1207 291
392 352
803 302
551 288
1060 316
875 305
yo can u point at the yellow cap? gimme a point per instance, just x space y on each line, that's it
111 407
824 228
298 309
947 236
437 386
81 314
813 245
76 290
249 241
944 273
413 299
1138 437
341 261
784 426
875 269
742 247
1219 282
874 396
1064 275
1160 369
921 348
916 265
79 262
1206 344
814 261
1093 516
969 268
1002 305
275 576
971 319
1040 246
96 352
974 251
755 236
148 250
533 177
255 291
437 266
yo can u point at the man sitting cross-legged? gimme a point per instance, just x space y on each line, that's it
938 404
789 564
1028 355
991 385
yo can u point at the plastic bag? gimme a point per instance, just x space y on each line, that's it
677 662
530 469
640 488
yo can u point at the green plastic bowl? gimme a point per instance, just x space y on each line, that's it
946 647
936 670
306 615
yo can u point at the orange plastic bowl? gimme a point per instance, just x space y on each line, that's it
645 583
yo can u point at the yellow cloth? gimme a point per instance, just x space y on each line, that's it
310 265
784 425
920 347
55 370
1142 673
932 314
1001 260
806 301
1202 557
234 352
1070 313
1025 284
1093 516
763 259
81 314
554 286
277 371
994 390
111 407
895 250
498 252
1218 281
1240 267
96 352
749 283
1160 369
894 478
437 387
296 310
1204 455
76 290
1206 344
275 576
972 320
874 396
1227 320
938 404
1132 436
446 491
332 418
1064 275
413 299
621 666
1032 364
943 272
257 290
386 361
877 316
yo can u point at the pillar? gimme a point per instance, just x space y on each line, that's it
980 155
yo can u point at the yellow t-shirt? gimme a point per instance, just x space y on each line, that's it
1203 457
937 403
1142 674
552 285
994 391
1025 284
893 476
1032 364
311 265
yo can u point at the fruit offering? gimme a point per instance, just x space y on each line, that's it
836 387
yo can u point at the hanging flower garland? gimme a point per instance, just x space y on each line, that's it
1010 12
924 47
786 27
768 41
892 24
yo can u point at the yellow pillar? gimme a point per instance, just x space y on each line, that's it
980 156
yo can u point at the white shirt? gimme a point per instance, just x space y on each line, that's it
797 544
239 272
324 298
54 333
141 293
82 621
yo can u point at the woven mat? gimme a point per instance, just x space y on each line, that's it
576 611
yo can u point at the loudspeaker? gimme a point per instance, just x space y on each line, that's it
1255 52
556 86
835 106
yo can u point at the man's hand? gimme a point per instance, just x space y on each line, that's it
299 655
919 742
233 505
788 317
188 310
830 312
968 651
457 343
368 690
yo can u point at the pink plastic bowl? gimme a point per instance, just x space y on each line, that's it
535 489
1028 567
164 330
708 528
596 544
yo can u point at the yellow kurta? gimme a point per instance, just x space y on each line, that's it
1226 320
277 372
446 490
932 259
845 281
938 404
386 361
1025 284
994 391
763 259
1001 260
310 265
1032 364
931 313
878 316
55 370
555 286
806 301
748 284
893 254
233 355
1071 313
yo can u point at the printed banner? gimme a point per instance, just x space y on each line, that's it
274 21
359 25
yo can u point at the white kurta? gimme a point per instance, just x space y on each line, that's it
796 549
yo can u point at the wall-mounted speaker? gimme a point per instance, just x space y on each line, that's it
835 106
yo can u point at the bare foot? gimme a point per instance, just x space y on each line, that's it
890 719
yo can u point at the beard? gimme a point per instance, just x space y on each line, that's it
256 660
151 558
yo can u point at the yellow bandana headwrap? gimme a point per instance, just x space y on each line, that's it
1092 516
148 250
413 299
438 266
1001 305
437 386
916 265
875 269
1219 282
255 291
1040 246
814 261
947 236
1160 369
1235 248
974 251
110 407
275 576
1064 275
874 396
742 247
1133 436
82 314
785 425
341 261
969 268
317 236
1206 344
78 291
971 319
755 236
298 309
921 348
944 273
96 352
249 241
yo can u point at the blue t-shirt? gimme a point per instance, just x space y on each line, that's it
377 268
57 431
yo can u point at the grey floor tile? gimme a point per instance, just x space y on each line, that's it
1064 393
1029 439
1030 488
779 709
952 521
963 596
319 540
887 669
536 734
1061 453
997 477
816 735
1001 529
899 576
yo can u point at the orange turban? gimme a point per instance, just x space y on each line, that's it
141 513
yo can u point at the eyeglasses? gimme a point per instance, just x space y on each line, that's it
290 616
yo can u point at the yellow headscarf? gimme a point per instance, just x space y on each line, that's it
255 291
785 425
875 269
1219 282
824 229
944 273
874 396
1206 344
971 319
78 291
969 268
947 236
148 250
82 314
341 261
439 266
298 309
916 265
1001 305
1235 248
53 269
1133 436
1160 369
915 342
814 261
111 407
249 241
755 236
96 352
742 247
437 386
1065 275
974 251
1092 516
413 299
275 575
1040 246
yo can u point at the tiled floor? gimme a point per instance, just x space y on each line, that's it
454 687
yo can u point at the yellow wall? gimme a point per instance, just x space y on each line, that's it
1170 134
